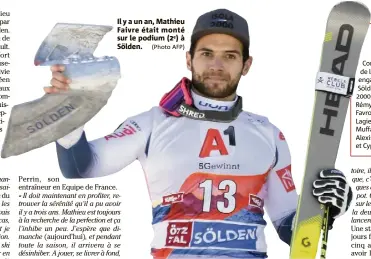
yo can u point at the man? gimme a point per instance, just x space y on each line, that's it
210 167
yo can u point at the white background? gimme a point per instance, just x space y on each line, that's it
286 42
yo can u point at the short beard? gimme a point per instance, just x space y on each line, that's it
199 85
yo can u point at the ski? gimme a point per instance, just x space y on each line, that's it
346 30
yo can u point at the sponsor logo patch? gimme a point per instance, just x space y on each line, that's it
172 198
122 131
255 201
285 176
211 235
179 234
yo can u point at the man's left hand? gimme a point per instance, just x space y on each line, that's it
331 188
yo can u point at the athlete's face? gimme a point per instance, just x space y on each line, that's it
217 66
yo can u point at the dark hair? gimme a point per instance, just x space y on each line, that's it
245 52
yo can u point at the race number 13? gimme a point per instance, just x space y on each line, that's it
222 206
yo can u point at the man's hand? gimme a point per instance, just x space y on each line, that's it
331 188
58 82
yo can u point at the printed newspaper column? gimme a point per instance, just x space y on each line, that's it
360 239
67 218
4 95
361 113
4 65
5 218
158 34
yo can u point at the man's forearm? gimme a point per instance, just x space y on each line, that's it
76 160
284 229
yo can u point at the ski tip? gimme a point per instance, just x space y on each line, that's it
356 7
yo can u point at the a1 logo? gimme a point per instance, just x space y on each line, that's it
213 141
